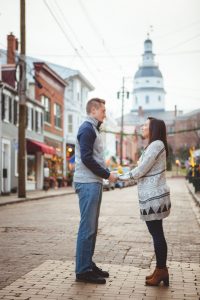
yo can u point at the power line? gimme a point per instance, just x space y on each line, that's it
71 43
184 42
183 88
67 38
139 135
96 31
75 35
119 55
179 30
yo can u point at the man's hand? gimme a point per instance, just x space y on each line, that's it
112 177
124 177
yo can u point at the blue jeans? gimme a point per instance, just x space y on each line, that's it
90 195
160 245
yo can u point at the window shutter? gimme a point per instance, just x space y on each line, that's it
32 112
15 113
3 107
10 109
41 122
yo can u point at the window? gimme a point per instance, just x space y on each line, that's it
37 122
31 168
5 108
159 98
70 124
47 109
57 115
29 118
147 99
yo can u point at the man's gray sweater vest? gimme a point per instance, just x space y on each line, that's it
89 159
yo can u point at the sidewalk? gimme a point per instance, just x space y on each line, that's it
36 195
37 249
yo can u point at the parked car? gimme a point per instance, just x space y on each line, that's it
107 185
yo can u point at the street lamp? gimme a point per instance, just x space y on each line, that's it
121 95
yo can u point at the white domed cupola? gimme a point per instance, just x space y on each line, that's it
148 89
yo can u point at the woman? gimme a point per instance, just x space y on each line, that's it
153 192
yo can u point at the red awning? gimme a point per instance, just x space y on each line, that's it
33 147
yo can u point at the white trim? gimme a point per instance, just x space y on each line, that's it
16 163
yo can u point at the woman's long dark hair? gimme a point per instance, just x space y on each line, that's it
157 131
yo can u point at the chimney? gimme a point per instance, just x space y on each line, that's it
12 46
140 111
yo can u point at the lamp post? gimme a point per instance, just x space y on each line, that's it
121 95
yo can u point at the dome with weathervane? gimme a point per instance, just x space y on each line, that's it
148 89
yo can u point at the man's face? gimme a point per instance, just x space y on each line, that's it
99 113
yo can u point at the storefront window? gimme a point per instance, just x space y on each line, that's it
31 167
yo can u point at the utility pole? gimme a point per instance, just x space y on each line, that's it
121 94
1 167
22 106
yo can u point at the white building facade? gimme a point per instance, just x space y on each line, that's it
76 97
148 92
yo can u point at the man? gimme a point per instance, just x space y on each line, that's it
90 170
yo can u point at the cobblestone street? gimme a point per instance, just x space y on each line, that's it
37 248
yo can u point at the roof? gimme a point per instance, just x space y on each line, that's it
43 66
63 72
189 114
68 73
148 71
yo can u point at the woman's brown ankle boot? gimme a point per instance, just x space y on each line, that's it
151 275
158 276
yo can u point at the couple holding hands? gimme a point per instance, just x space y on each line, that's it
153 192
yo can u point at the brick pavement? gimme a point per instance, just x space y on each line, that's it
123 247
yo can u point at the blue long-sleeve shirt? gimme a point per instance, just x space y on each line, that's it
89 160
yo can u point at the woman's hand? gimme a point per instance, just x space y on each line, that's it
124 177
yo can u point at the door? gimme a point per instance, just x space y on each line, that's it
6 159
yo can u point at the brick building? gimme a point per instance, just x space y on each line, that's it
185 131
49 90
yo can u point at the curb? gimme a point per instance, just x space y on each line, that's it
35 198
195 203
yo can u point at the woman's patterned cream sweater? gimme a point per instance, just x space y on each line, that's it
153 192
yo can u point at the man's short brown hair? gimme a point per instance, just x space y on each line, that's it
94 102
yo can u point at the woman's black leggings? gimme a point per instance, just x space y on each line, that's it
160 246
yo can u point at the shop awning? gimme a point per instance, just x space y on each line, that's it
35 146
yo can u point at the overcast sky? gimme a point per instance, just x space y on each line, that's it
104 40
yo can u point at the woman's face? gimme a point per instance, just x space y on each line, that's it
145 129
